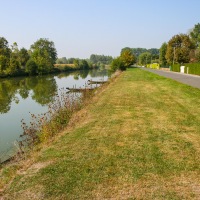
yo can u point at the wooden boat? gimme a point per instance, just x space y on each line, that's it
79 89
95 82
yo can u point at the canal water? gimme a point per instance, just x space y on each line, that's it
21 97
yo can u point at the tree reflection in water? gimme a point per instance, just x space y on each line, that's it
43 90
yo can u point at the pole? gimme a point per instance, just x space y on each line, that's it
174 55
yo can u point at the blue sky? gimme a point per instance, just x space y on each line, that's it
80 28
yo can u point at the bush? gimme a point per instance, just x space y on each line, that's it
193 68
31 67
117 64
190 68
175 67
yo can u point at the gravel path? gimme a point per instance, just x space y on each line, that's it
188 79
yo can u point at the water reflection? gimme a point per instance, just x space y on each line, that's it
42 90
19 96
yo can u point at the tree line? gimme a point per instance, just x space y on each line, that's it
39 59
130 56
41 89
181 48
94 61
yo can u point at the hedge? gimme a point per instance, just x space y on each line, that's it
193 68
175 67
190 68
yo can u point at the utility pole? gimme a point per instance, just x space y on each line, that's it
174 54
174 46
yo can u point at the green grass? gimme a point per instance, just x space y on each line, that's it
138 139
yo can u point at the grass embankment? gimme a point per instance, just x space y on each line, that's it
139 139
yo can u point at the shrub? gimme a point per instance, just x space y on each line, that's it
193 68
190 68
31 67
175 67
117 64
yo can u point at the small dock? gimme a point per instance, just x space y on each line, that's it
95 82
79 89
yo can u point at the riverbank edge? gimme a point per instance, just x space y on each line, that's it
15 163
56 70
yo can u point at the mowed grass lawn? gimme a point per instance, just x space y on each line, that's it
138 139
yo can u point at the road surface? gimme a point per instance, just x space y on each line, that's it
192 80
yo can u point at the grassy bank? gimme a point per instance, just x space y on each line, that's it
138 139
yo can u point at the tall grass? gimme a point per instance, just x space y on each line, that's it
45 126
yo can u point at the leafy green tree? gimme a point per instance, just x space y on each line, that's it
178 49
31 67
195 35
93 58
23 57
84 64
138 51
70 60
76 63
62 60
117 64
126 49
163 50
128 58
4 54
44 54
145 58
100 59
154 52
14 64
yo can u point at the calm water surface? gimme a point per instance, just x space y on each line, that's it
21 96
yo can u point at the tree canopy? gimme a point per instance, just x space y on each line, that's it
127 58
4 54
178 49
163 50
101 59
145 58
44 54
195 35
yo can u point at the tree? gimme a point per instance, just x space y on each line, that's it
163 50
4 54
62 60
138 51
127 58
14 64
70 60
83 64
100 59
117 64
44 54
76 62
31 67
178 49
23 57
195 35
93 59
145 58
126 49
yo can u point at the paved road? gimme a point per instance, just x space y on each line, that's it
188 79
